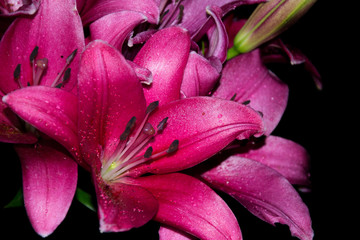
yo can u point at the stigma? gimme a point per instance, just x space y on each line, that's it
131 143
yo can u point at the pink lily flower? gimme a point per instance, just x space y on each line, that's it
119 144
259 176
33 52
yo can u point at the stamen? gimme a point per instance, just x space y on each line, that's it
17 71
163 15
246 102
66 75
162 124
169 17
64 69
126 155
128 128
173 146
65 78
152 106
34 53
233 97
71 57
181 14
148 152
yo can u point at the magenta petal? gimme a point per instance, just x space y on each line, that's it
109 96
49 30
195 16
293 55
285 156
218 38
52 111
189 205
199 77
49 184
116 27
94 9
165 54
122 206
264 192
169 233
9 128
248 78
143 74
203 126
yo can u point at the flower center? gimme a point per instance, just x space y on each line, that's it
126 155
39 66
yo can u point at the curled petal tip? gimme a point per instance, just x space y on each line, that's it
268 21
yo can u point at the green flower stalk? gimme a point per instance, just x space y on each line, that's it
268 21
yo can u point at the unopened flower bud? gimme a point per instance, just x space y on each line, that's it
268 21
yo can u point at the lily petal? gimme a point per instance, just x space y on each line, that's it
285 156
116 27
199 76
109 96
169 233
49 30
94 9
194 14
9 128
165 54
248 78
218 38
49 184
122 206
264 192
270 53
203 126
189 205
52 111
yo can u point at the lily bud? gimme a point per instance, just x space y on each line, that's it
268 21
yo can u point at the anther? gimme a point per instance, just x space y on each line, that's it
246 102
66 75
17 71
34 53
162 124
148 152
128 128
181 14
233 97
173 146
152 106
71 57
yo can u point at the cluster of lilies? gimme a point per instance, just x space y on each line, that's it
163 102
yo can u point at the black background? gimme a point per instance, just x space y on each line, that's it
322 121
